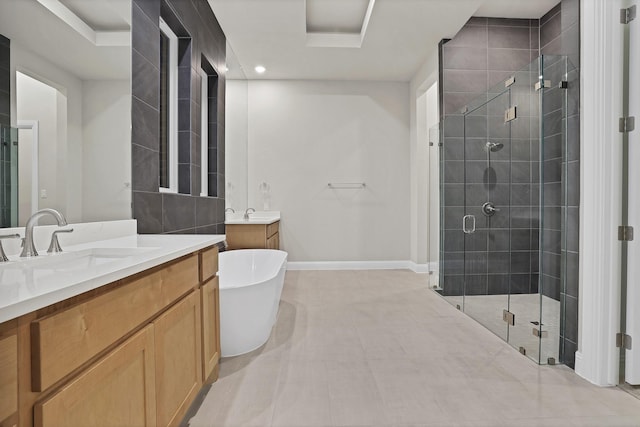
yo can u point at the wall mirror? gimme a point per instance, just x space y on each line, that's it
236 134
70 86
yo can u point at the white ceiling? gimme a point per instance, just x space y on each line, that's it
401 35
33 27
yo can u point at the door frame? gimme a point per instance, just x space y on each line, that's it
597 358
35 160
631 293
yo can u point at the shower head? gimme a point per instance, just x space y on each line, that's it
493 146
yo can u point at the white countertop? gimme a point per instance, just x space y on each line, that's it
28 285
259 217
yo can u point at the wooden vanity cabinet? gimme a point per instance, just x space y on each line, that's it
253 236
8 373
133 352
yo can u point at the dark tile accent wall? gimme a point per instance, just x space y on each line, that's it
5 122
482 55
200 37
560 35
5 82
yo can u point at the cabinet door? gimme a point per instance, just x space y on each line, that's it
246 236
118 390
178 359
210 329
8 373
274 241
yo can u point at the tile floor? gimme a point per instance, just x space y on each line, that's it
378 348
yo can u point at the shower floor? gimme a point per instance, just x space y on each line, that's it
487 309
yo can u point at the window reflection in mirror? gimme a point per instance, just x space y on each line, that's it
168 108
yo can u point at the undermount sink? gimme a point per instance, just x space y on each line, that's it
72 261
66 264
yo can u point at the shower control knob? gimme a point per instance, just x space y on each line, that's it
489 209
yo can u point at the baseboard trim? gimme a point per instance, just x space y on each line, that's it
358 265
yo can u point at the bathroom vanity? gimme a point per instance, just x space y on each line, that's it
260 231
128 340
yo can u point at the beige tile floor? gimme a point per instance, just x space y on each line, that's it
378 348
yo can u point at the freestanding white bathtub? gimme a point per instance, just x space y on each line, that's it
251 283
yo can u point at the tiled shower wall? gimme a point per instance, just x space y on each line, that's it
560 34
5 121
482 55
200 38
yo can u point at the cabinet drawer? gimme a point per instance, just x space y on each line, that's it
119 390
273 228
65 340
208 263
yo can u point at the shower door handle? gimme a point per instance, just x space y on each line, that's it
465 222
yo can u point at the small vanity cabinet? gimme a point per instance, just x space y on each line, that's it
133 352
253 236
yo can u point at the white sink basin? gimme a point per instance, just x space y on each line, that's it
259 217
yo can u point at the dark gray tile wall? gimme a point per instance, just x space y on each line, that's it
5 122
5 82
560 35
200 37
482 55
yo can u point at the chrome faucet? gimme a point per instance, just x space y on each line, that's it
29 248
229 209
3 256
246 213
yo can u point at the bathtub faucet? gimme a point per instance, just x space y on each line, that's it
246 213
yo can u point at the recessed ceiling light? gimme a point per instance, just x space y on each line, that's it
260 69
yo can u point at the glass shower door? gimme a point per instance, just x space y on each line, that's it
525 219
486 212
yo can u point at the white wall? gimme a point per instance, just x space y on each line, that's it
106 156
303 135
236 140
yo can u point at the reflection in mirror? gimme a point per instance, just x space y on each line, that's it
9 169
69 77
236 134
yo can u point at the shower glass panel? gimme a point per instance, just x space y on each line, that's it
8 177
503 212
485 174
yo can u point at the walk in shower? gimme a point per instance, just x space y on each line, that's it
504 191
8 177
